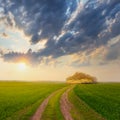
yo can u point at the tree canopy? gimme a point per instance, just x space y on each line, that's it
80 77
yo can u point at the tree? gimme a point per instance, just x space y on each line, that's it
80 77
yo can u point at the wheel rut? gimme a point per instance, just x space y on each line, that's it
66 106
41 108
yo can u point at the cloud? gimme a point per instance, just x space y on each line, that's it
27 57
4 35
113 52
86 28
34 16
68 27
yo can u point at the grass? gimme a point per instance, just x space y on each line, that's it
19 100
52 111
103 98
80 110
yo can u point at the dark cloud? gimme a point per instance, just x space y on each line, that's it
1 52
4 35
114 52
34 16
85 29
29 57
67 28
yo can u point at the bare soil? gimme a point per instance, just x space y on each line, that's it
66 106
41 108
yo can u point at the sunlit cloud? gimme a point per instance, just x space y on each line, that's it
74 33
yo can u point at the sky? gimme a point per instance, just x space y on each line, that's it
53 39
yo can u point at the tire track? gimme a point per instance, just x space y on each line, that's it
66 106
41 108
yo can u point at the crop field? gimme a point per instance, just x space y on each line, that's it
19 100
59 101
103 98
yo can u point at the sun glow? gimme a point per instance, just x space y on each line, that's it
22 66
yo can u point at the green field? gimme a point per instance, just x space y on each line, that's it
81 111
103 98
20 100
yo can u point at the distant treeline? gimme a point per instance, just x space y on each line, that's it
79 77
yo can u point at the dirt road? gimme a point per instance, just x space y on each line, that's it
41 108
66 106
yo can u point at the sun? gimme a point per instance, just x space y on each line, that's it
22 66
